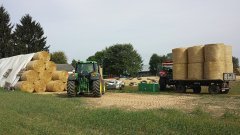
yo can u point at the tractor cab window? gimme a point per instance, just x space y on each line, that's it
88 67
96 67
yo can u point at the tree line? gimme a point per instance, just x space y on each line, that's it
26 37
118 59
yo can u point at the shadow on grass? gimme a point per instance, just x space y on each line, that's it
64 95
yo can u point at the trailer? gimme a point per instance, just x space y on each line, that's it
220 86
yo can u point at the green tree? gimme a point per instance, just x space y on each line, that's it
156 61
98 57
6 43
122 59
29 36
119 59
59 57
235 62
74 62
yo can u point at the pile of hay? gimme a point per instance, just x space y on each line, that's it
41 75
202 62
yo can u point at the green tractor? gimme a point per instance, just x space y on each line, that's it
87 79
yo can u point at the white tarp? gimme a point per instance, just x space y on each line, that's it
10 68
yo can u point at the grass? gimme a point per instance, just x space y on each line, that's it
23 113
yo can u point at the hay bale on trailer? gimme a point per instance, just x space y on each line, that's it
39 86
37 65
214 70
25 86
60 75
195 54
179 55
43 55
30 76
228 59
214 52
228 53
180 71
195 71
55 86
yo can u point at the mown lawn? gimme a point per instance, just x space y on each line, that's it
23 113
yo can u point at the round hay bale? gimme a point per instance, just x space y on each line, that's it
228 67
37 65
50 66
65 86
45 76
25 86
39 86
214 52
55 86
179 55
60 75
180 71
228 53
195 54
195 71
30 75
214 70
43 55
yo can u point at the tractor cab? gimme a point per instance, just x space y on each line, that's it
89 69
166 69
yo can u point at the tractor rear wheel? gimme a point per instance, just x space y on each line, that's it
71 92
96 89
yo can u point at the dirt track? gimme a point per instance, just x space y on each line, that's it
215 105
140 101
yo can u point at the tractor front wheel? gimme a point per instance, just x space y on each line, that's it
96 89
71 92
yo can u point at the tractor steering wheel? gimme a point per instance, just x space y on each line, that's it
84 72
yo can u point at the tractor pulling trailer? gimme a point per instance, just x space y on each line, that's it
214 86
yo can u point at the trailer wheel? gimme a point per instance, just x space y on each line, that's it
197 89
162 83
214 89
180 88
225 92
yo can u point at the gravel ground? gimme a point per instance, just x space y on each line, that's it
132 101
216 105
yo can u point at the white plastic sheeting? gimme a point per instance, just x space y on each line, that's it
10 68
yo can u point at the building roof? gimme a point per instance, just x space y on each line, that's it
145 68
66 67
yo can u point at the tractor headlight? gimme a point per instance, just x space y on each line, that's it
94 74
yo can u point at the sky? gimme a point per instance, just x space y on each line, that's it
82 27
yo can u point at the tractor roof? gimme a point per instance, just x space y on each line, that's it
87 62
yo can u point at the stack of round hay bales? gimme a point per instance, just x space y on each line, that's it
35 74
180 67
38 74
218 60
195 62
